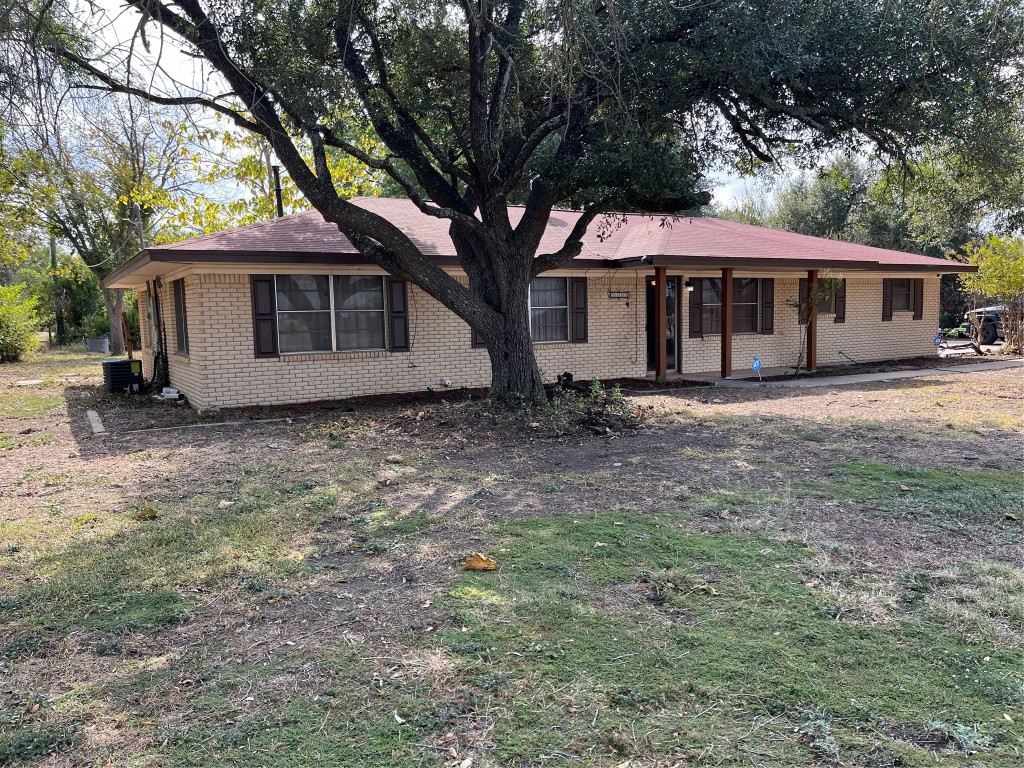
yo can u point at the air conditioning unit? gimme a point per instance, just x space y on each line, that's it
123 375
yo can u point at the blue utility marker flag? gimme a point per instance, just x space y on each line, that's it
756 365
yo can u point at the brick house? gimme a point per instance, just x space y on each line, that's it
287 311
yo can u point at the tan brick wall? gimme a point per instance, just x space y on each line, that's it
188 373
863 337
221 370
440 347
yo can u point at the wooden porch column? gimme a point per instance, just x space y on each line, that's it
726 322
660 314
812 322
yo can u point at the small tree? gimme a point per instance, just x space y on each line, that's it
817 296
999 280
19 320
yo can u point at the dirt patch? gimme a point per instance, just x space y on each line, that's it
362 513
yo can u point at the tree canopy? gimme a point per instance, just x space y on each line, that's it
600 106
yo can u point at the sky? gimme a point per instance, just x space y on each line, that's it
179 73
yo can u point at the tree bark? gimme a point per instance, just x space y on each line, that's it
113 299
514 372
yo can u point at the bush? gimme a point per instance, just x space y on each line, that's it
19 320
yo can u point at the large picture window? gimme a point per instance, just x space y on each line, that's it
549 309
324 313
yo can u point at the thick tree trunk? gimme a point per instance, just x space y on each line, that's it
514 372
113 298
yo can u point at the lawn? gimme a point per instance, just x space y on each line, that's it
750 578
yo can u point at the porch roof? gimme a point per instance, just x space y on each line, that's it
623 241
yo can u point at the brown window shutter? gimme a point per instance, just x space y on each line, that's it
697 309
887 299
802 314
579 310
264 315
398 314
917 286
840 302
767 306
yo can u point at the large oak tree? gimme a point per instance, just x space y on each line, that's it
600 105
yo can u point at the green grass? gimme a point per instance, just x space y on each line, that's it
620 637
943 495
738 637
138 575
11 442
26 404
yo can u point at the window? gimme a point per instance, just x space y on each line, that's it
902 295
304 313
745 305
549 309
834 305
180 316
711 314
324 313
359 312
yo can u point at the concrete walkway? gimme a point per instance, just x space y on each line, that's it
863 378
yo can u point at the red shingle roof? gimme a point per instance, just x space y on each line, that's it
665 240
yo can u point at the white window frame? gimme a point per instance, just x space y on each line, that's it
333 314
568 320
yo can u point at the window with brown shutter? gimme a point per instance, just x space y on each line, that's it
264 315
839 302
579 310
180 316
753 306
398 313
767 306
835 304
697 309
917 291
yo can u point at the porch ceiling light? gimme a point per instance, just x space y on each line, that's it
688 285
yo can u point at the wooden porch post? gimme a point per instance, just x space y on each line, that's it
660 313
726 322
812 322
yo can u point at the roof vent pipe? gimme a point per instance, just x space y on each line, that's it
277 190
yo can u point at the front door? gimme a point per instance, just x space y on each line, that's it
671 324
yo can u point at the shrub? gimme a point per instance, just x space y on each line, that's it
19 320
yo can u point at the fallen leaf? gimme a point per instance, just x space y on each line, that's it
599 544
467 763
398 719
224 504
904 488
479 562
1011 516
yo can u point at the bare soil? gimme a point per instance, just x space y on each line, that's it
462 466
